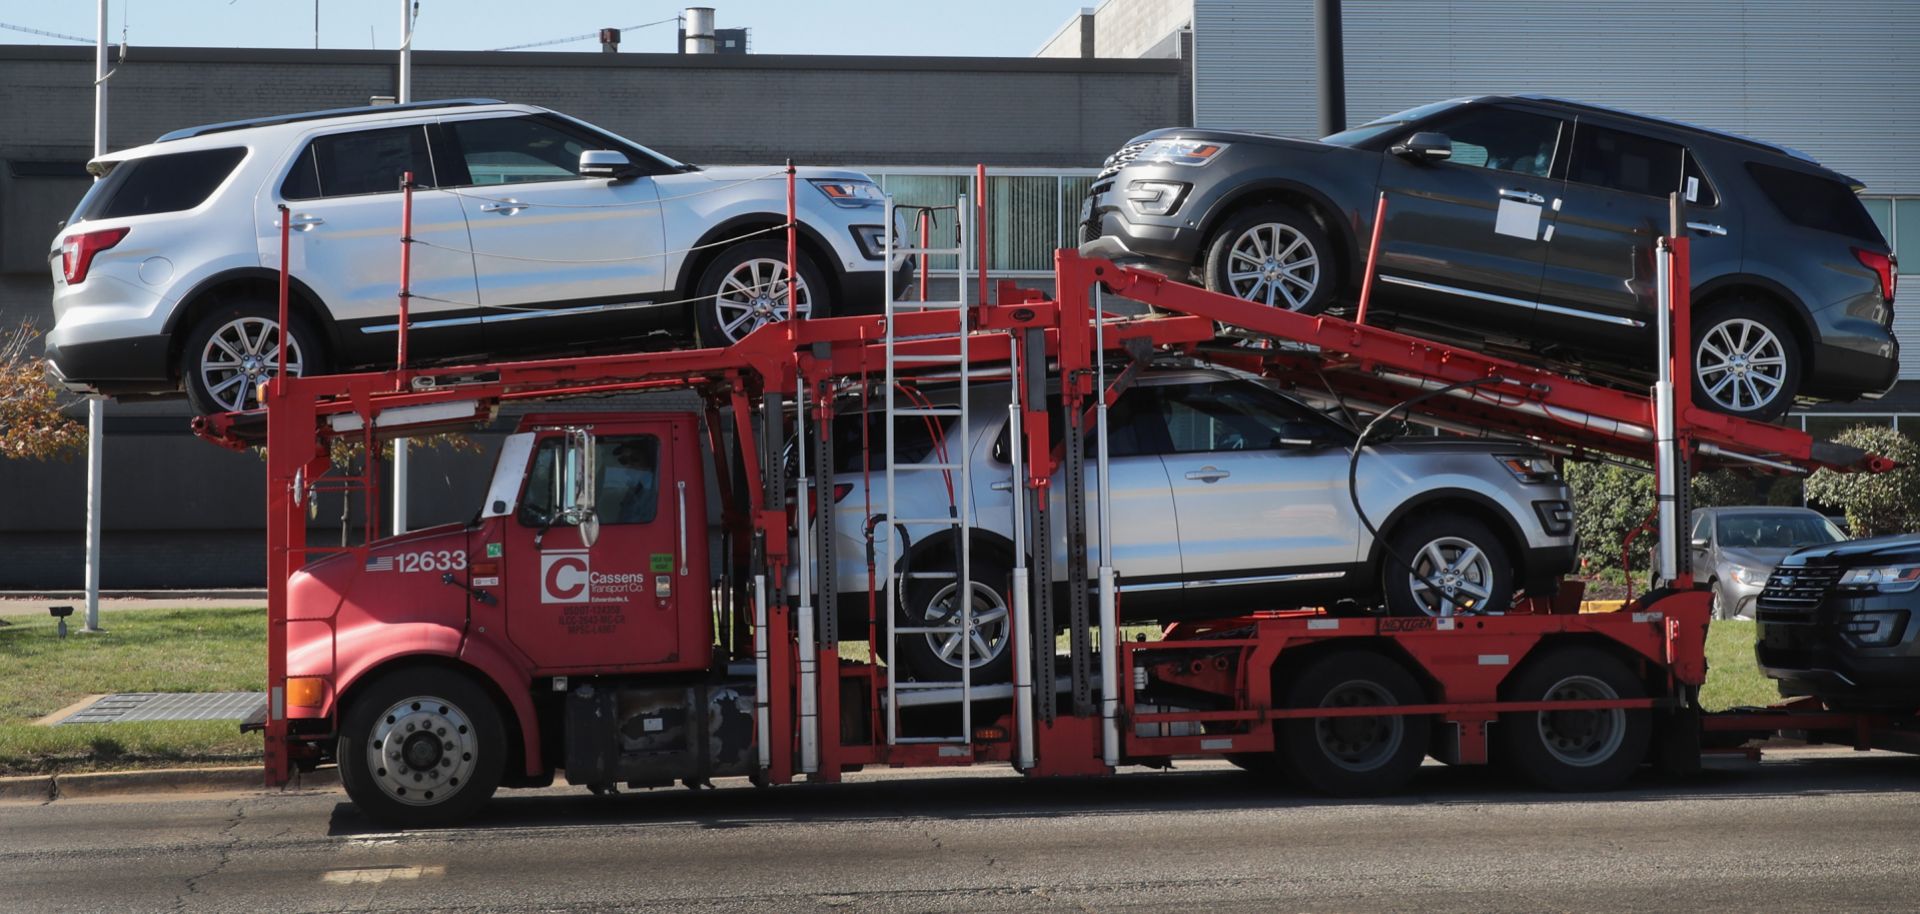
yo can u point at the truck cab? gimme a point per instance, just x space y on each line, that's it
587 556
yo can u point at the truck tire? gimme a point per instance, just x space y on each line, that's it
1451 550
928 602
1574 750
744 289
234 347
421 747
1353 756
1273 255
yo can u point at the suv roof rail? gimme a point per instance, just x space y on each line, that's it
225 126
1670 122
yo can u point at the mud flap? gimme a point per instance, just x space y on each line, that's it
1676 742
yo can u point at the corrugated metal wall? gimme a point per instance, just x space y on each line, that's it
1838 79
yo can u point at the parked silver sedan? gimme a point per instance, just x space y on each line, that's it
1734 549
1228 496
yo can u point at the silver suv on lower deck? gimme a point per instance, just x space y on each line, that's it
1227 496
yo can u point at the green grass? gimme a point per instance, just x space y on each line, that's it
186 650
1733 677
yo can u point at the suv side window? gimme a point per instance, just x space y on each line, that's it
1619 160
1703 528
1503 140
158 184
1815 202
1241 416
516 150
1695 186
362 162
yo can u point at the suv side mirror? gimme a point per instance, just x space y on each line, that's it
606 163
1699 542
577 459
1424 146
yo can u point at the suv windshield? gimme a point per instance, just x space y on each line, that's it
1775 531
158 184
1354 136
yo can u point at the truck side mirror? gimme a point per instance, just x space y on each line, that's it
1425 146
579 463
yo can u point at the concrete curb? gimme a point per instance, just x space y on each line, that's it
41 788
34 788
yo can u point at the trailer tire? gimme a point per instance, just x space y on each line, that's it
451 736
1575 750
742 290
929 602
1353 756
1430 543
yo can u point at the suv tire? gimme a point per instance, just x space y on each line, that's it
1302 276
1440 546
741 290
928 602
234 346
1742 348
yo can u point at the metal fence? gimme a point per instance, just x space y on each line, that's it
1030 211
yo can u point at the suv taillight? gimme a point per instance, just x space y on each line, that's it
76 251
1884 264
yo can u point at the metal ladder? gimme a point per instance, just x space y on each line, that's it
899 407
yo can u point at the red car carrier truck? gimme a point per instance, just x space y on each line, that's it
590 619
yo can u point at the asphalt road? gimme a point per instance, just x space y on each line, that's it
1805 832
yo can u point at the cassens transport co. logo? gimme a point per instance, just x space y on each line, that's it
564 576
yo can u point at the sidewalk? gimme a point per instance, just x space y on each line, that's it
32 603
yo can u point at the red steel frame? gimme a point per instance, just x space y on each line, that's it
1352 358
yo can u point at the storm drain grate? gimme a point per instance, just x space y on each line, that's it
131 706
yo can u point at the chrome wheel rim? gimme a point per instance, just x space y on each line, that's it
1582 739
241 355
1275 264
1741 364
754 294
423 750
1451 575
987 637
1359 743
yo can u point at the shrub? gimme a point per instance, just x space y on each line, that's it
1875 503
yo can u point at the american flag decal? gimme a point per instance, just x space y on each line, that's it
383 563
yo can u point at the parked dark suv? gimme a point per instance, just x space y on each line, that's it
1525 225
1839 623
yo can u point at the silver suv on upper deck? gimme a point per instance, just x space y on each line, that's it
535 233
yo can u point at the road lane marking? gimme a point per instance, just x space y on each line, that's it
378 874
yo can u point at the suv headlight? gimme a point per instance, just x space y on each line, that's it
1179 152
848 193
1884 578
1531 469
1155 198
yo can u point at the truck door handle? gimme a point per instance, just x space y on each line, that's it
1708 228
304 221
504 208
681 486
1522 196
1208 474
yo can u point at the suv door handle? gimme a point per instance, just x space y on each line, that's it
1522 196
506 208
1208 474
1708 228
304 221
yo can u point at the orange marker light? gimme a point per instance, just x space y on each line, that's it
306 691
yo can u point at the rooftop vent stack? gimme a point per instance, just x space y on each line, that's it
699 38
610 41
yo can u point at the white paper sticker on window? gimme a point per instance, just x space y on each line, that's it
1693 189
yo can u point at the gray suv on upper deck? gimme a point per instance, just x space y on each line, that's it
1228 496
1525 225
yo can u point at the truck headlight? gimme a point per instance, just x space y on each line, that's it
1155 198
1884 578
1179 152
1875 629
1531 469
852 194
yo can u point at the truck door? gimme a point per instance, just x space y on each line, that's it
617 603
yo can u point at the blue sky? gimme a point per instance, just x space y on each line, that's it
995 28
